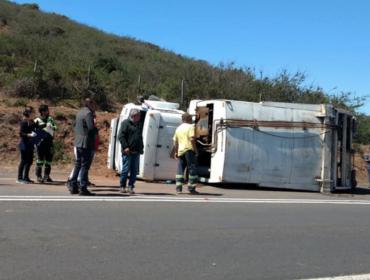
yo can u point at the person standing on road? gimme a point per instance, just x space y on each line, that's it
45 149
96 146
84 144
367 160
131 139
186 153
26 146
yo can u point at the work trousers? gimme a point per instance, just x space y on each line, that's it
25 165
189 161
83 160
45 154
130 163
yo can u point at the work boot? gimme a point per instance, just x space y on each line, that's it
122 190
192 191
72 187
47 175
130 191
39 175
29 180
47 179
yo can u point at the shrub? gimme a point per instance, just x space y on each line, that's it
7 102
59 154
60 116
73 119
20 102
14 119
31 6
72 116
23 87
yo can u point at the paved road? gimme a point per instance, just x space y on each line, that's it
144 238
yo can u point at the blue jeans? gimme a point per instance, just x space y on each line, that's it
130 163
83 162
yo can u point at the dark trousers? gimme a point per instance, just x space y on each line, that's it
83 160
189 161
25 165
45 156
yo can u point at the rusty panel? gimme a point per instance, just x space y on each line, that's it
201 125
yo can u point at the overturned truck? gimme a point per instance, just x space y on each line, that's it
269 144
276 145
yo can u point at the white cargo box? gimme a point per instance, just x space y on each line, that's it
277 145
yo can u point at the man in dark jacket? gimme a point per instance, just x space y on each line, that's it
131 139
84 143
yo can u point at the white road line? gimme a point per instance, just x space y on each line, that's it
349 277
145 198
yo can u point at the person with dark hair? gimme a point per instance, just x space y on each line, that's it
131 139
45 149
96 146
25 146
186 153
84 144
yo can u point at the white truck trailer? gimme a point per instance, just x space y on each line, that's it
275 145
270 144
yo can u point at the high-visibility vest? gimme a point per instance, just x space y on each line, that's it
39 121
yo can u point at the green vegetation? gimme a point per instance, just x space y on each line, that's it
60 117
20 102
48 56
14 119
59 154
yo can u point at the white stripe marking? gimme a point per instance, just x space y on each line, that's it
349 277
145 198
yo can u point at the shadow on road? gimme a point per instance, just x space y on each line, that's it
105 190
253 187
54 183
355 191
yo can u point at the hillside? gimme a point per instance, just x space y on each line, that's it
48 56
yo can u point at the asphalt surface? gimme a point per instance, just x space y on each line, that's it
149 239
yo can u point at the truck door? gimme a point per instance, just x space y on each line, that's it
165 167
150 137
112 145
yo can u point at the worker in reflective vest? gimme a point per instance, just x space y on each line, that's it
45 149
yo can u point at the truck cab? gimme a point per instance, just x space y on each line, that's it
159 120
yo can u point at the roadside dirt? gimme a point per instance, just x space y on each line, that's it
10 117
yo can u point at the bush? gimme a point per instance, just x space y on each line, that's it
59 154
73 119
60 116
23 87
72 116
14 119
32 6
7 102
20 102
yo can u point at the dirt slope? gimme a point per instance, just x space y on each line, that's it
10 117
